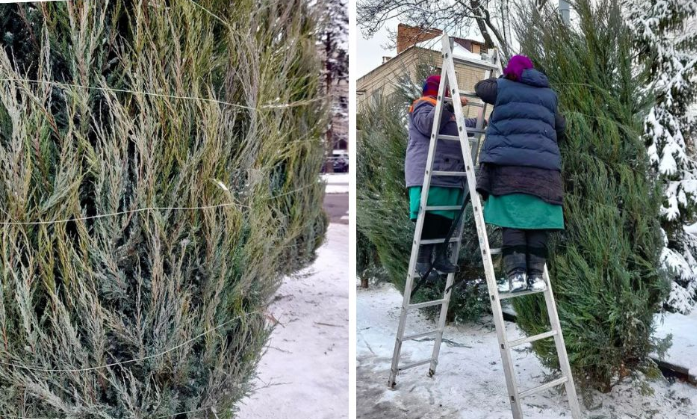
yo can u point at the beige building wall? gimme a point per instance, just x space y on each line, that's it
383 80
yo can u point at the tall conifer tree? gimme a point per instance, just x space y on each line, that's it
604 266
668 47
158 176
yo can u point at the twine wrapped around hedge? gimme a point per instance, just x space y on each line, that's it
159 167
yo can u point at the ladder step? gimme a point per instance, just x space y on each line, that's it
543 387
443 208
420 335
427 304
495 251
503 296
456 138
532 338
469 94
439 241
415 364
443 173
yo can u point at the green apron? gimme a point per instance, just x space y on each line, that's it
523 211
437 196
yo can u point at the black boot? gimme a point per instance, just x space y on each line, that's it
442 262
423 262
536 266
515 269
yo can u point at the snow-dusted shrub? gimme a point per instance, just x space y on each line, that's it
157 308
605 265
668 46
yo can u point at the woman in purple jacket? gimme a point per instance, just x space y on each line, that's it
444 190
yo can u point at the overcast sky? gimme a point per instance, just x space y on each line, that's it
369 52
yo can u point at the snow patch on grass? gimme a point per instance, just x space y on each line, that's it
683 352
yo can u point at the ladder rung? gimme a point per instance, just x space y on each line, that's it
427 304
503 296
415 364
443 208
439 241
543 387
419 335
496 251
456 138
443 173
469 94
532 338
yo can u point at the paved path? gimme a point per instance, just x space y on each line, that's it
336 206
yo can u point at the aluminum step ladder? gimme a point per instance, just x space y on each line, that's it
448 78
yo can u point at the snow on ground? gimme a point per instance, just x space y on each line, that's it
692 229
304 372
336 183
469 382
683 352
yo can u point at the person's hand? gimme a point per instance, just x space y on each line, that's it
463 101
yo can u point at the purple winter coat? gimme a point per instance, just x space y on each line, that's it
448 154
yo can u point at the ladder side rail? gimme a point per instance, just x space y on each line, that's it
506 358
478 144
448 291
561 348
417 236
487 74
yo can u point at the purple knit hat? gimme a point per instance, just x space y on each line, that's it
516 65
431 85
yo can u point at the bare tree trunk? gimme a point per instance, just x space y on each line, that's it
329 137
485 24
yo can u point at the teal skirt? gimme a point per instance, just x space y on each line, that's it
436 196
522 211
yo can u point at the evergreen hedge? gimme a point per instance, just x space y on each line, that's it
605 264
157 309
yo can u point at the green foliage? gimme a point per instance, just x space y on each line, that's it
604 266
146 313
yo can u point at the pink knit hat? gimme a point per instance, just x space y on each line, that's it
516 65
431 85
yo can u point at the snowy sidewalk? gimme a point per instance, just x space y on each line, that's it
469 382
336 183
304 373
